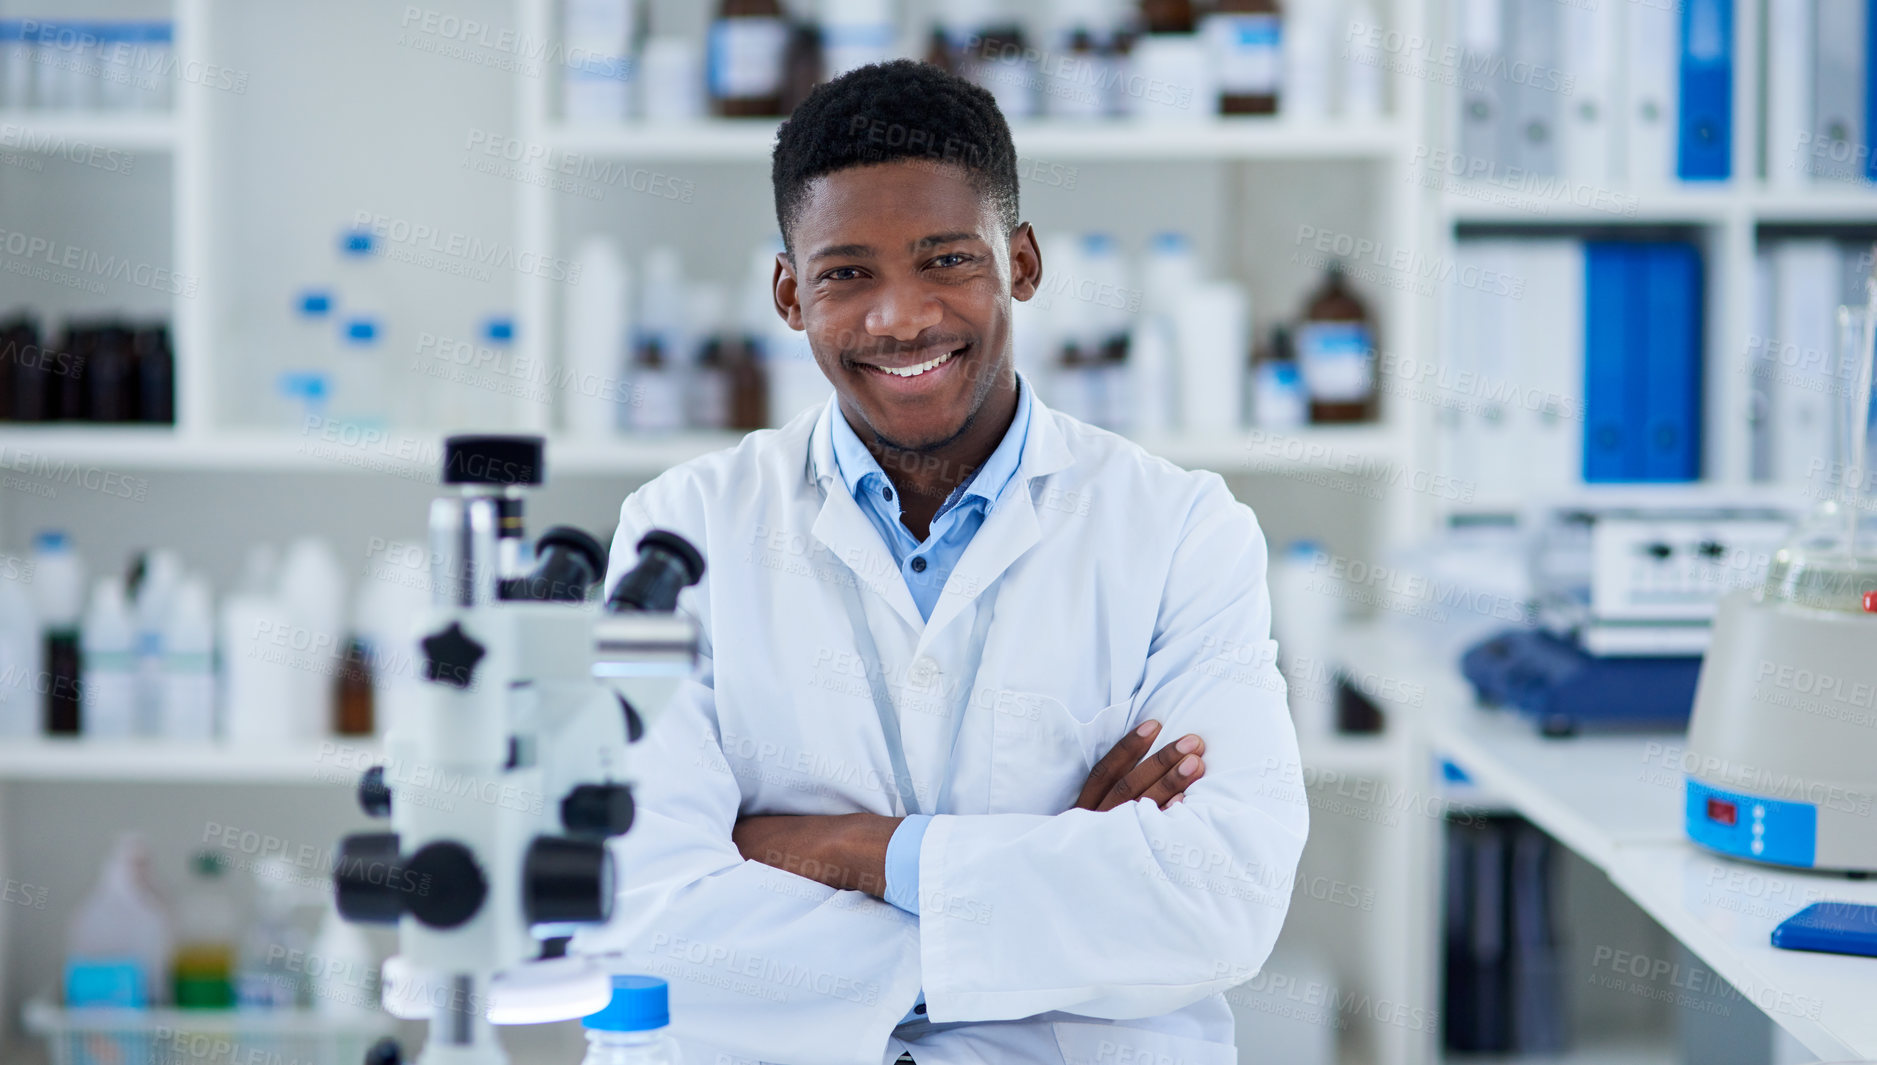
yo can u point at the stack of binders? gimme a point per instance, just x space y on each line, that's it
1636 94
1820 84
1569 363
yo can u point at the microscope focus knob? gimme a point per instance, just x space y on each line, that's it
567 881
448 887
369 880
597 810
374 795
451 655
385 1052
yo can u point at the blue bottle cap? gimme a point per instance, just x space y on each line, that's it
1097 243
356 242
640 1004
1305 549
1171 241
499 330
361 331
315 303
52 540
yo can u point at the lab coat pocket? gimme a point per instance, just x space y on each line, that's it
1042 752
1115 1044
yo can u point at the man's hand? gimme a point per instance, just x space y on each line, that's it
844 851
1123 775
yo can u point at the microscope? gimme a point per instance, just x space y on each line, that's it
504 771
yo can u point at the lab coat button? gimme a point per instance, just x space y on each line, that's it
925 670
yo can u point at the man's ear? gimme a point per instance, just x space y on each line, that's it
788 299
1026 263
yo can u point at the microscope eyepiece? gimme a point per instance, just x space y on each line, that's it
569 562
668 564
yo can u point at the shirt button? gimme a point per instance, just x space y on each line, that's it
918 563
886 494
919 1009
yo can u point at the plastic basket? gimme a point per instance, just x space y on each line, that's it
202 1037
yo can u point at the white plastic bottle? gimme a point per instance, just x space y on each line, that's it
117 948
259 685
856 33
1108 303
1307 608
109 674
263 979
597 82
345 971
162 574
188 691
658 387
599 327
1363 73
21 656
633 1029
313 588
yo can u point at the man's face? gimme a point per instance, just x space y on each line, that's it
902 278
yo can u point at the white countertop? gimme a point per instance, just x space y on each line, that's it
1617 801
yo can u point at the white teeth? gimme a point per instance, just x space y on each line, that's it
914 371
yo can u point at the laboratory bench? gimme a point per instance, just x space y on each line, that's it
1616 801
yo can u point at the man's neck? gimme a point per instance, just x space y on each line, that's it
926 478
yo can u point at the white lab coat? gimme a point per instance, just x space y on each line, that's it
1132 589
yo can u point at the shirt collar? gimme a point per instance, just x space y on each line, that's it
858 467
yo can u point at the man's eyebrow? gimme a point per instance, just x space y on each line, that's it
843 251
941 238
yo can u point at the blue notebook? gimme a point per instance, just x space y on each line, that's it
1831 927
1705 145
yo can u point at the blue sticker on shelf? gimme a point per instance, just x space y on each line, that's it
1752 826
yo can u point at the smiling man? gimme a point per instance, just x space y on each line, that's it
989 759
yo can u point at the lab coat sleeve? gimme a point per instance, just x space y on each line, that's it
761 963
1135 911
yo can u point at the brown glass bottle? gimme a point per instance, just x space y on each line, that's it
156 375
749 384
938 51
352 702
1245 36
1335 345
748 56
1167 16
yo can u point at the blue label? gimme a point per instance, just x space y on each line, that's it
1749 826
110 983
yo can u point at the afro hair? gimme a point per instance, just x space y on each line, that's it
890 112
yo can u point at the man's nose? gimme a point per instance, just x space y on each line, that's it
903 312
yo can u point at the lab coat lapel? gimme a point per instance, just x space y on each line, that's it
1010 529
845 531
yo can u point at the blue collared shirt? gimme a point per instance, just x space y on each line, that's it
926 567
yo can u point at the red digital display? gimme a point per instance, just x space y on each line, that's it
1722 812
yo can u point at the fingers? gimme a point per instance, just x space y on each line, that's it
1115 764
1160 776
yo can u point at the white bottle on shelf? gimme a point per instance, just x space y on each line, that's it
856 33
1078 78
1309 57
21 656
597 332
162 574
109 674
265 978
313 588
672 89
707 386
1306 611
188 706
597 79
1108 304
260 688
347 969
1213 324
122 925
1363 66
305 382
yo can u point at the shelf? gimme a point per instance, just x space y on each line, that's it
337 761
751 140
1352 756
1556 202
66 453
62 133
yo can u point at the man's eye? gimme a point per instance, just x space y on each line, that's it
841 273
954 259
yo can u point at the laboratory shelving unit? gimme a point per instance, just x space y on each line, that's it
1726 218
